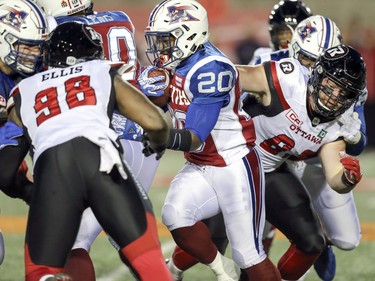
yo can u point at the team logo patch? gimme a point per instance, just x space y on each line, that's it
286 67
14 18
293 117
306 31
322 134
180 14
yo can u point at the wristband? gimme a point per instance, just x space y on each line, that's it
179 140
345 181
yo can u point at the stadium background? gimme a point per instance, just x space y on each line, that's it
238 26
233 23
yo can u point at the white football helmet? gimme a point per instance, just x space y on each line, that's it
312 36
175 31
58 8
22 23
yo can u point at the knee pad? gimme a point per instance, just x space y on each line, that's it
173 217
169 216
346 245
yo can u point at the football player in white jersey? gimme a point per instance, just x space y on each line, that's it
298 118
223 173
117 31
282 21
78 164
311 37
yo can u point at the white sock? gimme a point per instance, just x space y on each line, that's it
174 270
229 271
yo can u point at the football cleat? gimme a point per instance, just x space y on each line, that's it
325 265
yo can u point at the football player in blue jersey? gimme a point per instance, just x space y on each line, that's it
23 31
222 175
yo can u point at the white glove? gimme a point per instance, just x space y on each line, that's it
350 128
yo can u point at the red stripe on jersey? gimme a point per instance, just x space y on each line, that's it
210 157
276 84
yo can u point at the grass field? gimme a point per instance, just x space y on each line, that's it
353 265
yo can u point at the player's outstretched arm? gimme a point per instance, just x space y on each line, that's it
253 79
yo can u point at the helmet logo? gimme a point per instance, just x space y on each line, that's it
336 52
180 14
306 31
14 18
64 4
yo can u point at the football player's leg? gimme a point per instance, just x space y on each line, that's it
191 199
338 214
340 221
218 233
339 217
240 189
79 264
55 211
124 211
268 236
288 208
181 261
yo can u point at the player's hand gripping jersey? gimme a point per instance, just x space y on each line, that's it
206 74
286 133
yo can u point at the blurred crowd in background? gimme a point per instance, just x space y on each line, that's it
238 27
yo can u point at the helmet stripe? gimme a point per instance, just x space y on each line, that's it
155 11
328 33
40 16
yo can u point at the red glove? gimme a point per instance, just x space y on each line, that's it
352 170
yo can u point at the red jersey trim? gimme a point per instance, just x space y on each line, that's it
276 83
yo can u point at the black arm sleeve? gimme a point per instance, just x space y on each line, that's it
11 158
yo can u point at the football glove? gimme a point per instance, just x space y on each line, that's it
150 148
125 128
151 86
8 133
351 128
352 170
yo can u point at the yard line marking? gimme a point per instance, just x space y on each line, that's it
123 270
